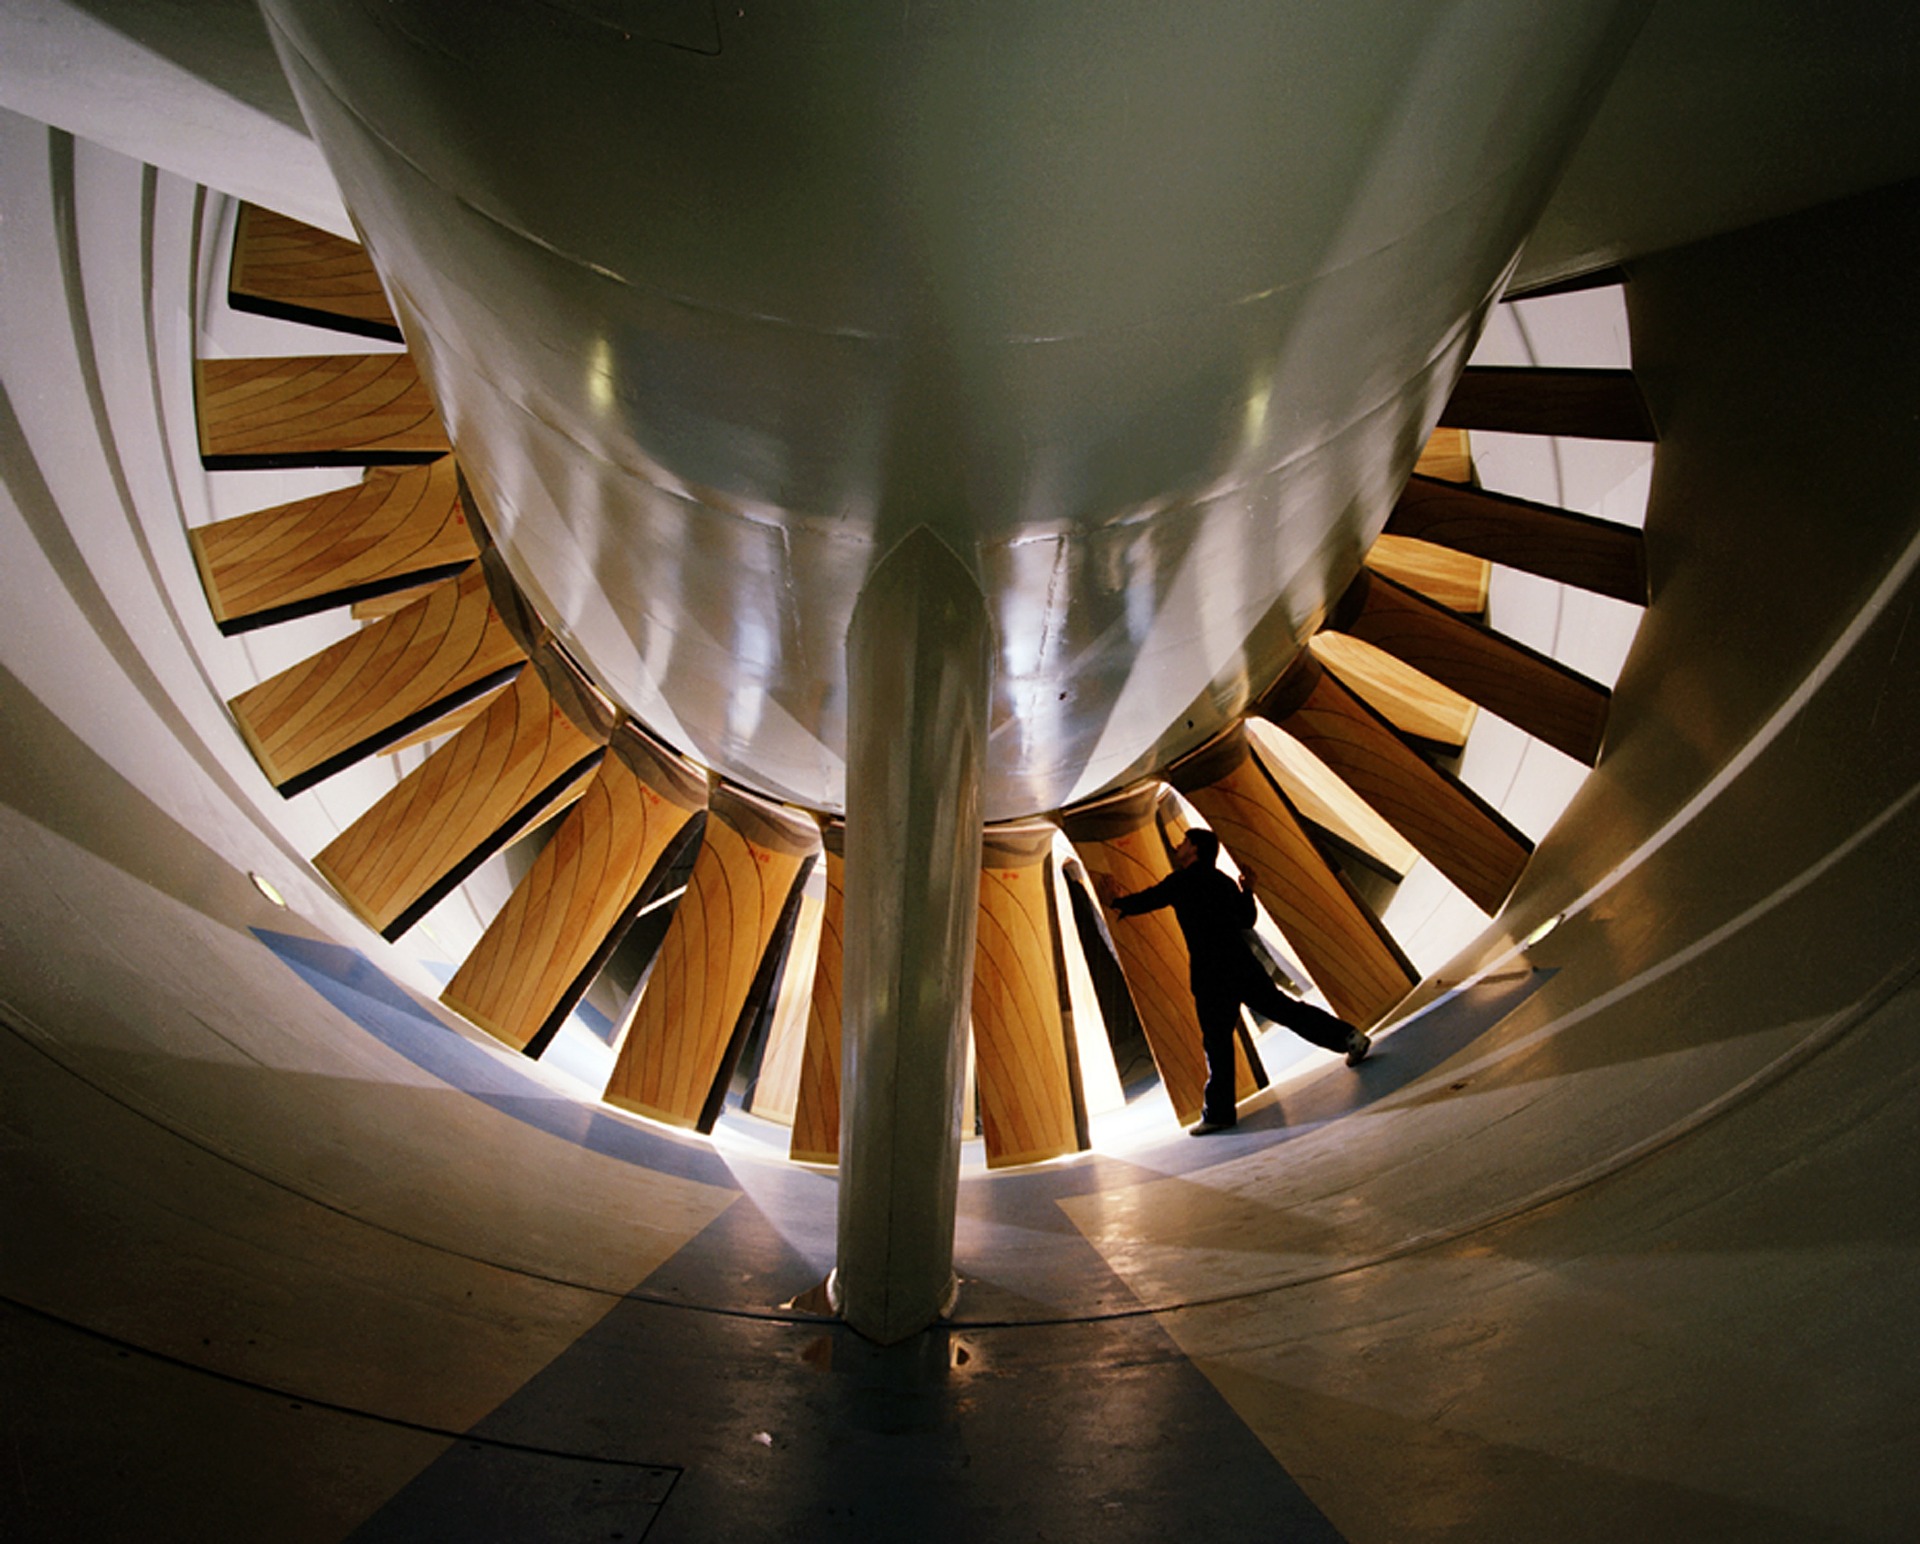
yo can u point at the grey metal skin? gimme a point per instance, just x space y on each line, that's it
1184 287
920 666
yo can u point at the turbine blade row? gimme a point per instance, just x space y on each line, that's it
391 532
750 956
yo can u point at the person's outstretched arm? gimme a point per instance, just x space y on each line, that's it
1150 899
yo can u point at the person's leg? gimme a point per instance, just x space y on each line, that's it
1308 1022
1219 1019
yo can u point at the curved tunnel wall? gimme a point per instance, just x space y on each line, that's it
1618 1235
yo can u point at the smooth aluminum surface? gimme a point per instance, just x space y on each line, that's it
1147 311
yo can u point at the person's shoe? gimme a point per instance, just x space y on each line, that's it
1207 1128
1358 1044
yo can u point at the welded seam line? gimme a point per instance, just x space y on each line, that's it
1163 321
334 1407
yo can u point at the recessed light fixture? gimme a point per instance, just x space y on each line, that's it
265 887
1543 929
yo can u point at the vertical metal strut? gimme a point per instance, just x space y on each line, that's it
920 665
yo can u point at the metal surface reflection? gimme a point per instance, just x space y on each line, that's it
1148 310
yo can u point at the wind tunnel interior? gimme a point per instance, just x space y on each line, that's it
1613 1234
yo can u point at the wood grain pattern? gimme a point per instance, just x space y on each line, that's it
443 818
1458 833
1595 555
1415 704
816 1111
1447 455
318 410
374 607
1322 800
540 953
683 1031
447 723
393 677
1120 838
1335 935
393 531
1585 404
1527 689
1019 1033
283 267
1457 580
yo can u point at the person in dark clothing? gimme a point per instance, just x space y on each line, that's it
1213 913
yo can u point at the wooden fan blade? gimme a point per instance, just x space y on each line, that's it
1338 939
285 268
541 952
685 1034
460 805
1461 835
816 1111
1415 704
1446 454
393 531
1027 1106
1585 404
316 410
1529 690
1327 804
1457 580
447 723
365 692
375 607
776 1086
1589 554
